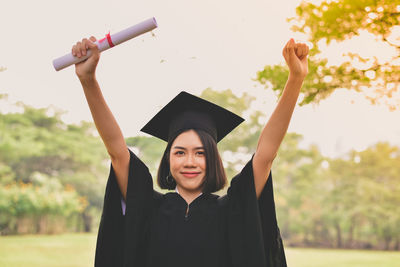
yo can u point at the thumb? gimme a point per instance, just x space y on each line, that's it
92 46
291 49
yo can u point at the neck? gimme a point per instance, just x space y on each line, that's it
188 196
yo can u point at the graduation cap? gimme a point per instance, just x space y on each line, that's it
186 112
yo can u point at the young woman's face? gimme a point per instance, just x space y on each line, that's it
188 162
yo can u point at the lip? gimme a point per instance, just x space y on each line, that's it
190 174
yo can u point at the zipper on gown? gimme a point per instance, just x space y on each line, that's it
187 213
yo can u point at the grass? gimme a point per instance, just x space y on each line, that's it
302 257
76 250
46 250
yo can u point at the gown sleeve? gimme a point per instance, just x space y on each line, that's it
120 238
253 233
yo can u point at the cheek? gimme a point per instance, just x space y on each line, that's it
202 163
174 162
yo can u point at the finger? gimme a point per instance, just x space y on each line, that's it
73 50
82 49
304 51
300 51
92 45
291 48
95 53
84 46
85 43
78 49
297 50
285 49
93 39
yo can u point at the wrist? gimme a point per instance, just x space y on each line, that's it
298 78
87 79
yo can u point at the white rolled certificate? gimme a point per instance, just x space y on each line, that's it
108 42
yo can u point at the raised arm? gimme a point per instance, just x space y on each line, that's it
104 120
295 55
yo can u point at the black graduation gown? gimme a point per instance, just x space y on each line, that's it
233 230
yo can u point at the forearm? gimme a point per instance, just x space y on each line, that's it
103 118
276 127
272 135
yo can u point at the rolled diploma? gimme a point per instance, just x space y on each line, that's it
116 38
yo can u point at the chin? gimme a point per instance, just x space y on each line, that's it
191 186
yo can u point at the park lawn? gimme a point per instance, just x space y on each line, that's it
67 250
302 257
76 250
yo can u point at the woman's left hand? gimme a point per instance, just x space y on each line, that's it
295 55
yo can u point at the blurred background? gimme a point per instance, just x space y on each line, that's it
337 174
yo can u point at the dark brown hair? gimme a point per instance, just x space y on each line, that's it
215 178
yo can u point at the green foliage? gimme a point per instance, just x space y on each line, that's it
237 147
34 141
320 201
53 175
228 100
297 174
6 174
244 135
346 202
321 21
150 150
26 199
35 144
21 203
377 80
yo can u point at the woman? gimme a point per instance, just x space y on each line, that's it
190 227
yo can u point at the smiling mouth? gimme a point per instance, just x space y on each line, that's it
190 174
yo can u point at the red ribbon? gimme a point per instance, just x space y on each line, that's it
108 37
109 40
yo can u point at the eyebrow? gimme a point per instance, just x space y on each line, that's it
184 148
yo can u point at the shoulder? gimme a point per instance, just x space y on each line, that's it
222 200
157 195
136 162
244 179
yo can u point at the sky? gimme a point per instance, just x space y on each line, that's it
198 44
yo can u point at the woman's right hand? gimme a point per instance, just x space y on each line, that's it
86 69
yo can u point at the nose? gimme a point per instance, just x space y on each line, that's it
190 161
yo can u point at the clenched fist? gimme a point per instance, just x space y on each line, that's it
295 55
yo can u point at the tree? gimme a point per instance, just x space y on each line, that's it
376 78
380 165
150 150
237 147
361 198
34 142
297 174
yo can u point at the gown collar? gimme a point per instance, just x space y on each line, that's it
176 190
181 199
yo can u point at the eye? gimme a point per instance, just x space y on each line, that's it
179 152
201 153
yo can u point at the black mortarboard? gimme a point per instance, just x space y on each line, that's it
187 111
